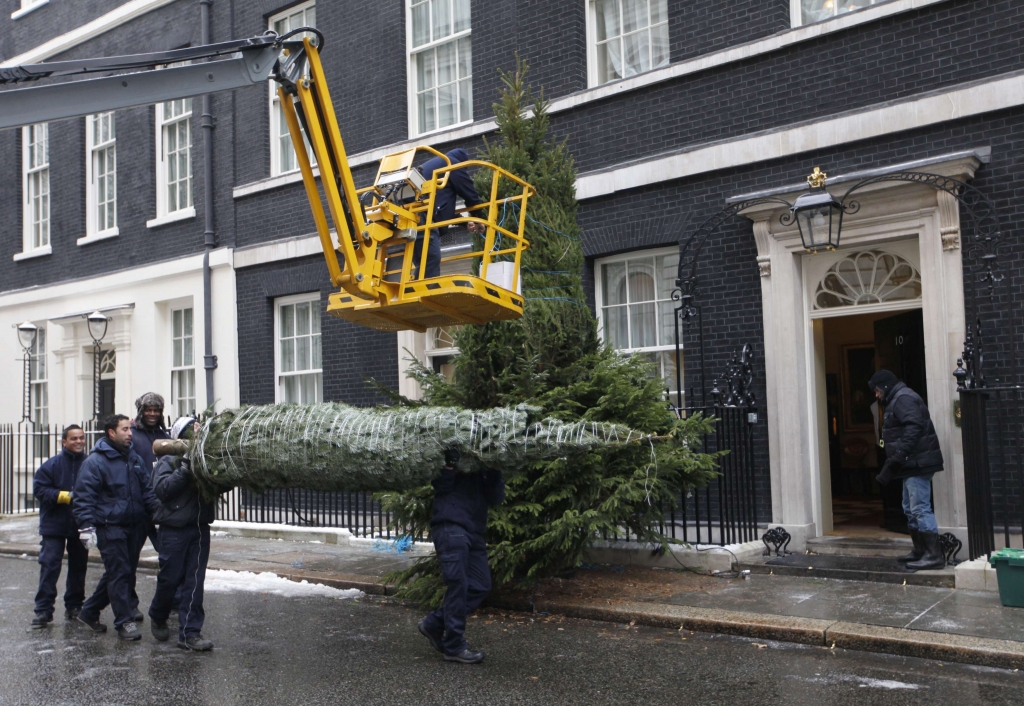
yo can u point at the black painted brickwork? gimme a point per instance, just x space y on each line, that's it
702 26
54 18
350 353
730 290
136 176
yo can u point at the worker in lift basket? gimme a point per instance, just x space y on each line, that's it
459 184
458 524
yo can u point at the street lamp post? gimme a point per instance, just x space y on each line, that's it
97 324
27 333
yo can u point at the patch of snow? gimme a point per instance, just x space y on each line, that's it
220 581
218 533
885 683
43 652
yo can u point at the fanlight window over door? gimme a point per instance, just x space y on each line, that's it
868 277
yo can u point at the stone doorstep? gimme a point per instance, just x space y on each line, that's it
1004 654
976 575
861 546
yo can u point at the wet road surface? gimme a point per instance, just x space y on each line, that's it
275 649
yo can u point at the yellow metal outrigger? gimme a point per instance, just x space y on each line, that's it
376 228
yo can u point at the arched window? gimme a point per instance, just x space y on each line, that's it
868 277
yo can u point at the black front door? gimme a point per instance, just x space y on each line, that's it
106 398
899 347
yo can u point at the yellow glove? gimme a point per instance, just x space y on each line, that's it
64 497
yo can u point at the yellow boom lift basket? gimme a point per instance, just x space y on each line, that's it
370 251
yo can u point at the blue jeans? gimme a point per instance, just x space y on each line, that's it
466 575
917 503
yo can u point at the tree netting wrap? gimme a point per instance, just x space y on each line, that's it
333 446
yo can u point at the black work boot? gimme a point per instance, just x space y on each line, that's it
129 631
94 625
41 621
918 550
160 630
72 613
196 643
467 656
933 558
434 640
139 617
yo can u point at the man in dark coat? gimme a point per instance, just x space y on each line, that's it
147 427
113 496
184 519
53 486
913 456
459 184
458 525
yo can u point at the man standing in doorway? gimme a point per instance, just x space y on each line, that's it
912 455
53 487
113 497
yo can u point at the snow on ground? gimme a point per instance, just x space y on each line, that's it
220 581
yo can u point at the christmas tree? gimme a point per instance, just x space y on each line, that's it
553 359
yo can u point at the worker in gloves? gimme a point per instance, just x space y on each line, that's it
460 184
184 519
458 525
913 456
114 500
53 488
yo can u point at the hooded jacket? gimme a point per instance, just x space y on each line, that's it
180 504
112 489
908 434
57 474
463 498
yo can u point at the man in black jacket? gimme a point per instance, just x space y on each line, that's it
458 525
113 496
460 184
913 456
53 486
184 520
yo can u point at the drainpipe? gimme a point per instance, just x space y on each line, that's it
209 234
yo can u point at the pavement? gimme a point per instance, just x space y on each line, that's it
946 624
276 646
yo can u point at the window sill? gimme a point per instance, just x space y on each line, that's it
440 130
182 215
18 14
29 254
273 182
96 237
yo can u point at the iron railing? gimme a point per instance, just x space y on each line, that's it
992 428
23 448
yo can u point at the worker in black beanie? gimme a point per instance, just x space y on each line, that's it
913 456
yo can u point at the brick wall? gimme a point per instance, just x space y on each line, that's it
55 18
351 353
701 26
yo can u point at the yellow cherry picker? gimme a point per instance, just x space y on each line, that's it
370 248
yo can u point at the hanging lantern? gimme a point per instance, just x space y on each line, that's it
818 215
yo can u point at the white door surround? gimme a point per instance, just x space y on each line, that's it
901 217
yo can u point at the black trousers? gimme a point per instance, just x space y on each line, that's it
184 553
51 558
433 254
467 576
119 546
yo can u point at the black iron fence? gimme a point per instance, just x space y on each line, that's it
992 428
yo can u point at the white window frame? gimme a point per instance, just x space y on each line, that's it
39 384
412 87
28 172
314 299
183 370
93 229
275 118
163 215
431 351
796 11
28 6
599 299
593 75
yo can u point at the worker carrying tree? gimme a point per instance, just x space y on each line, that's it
458 526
